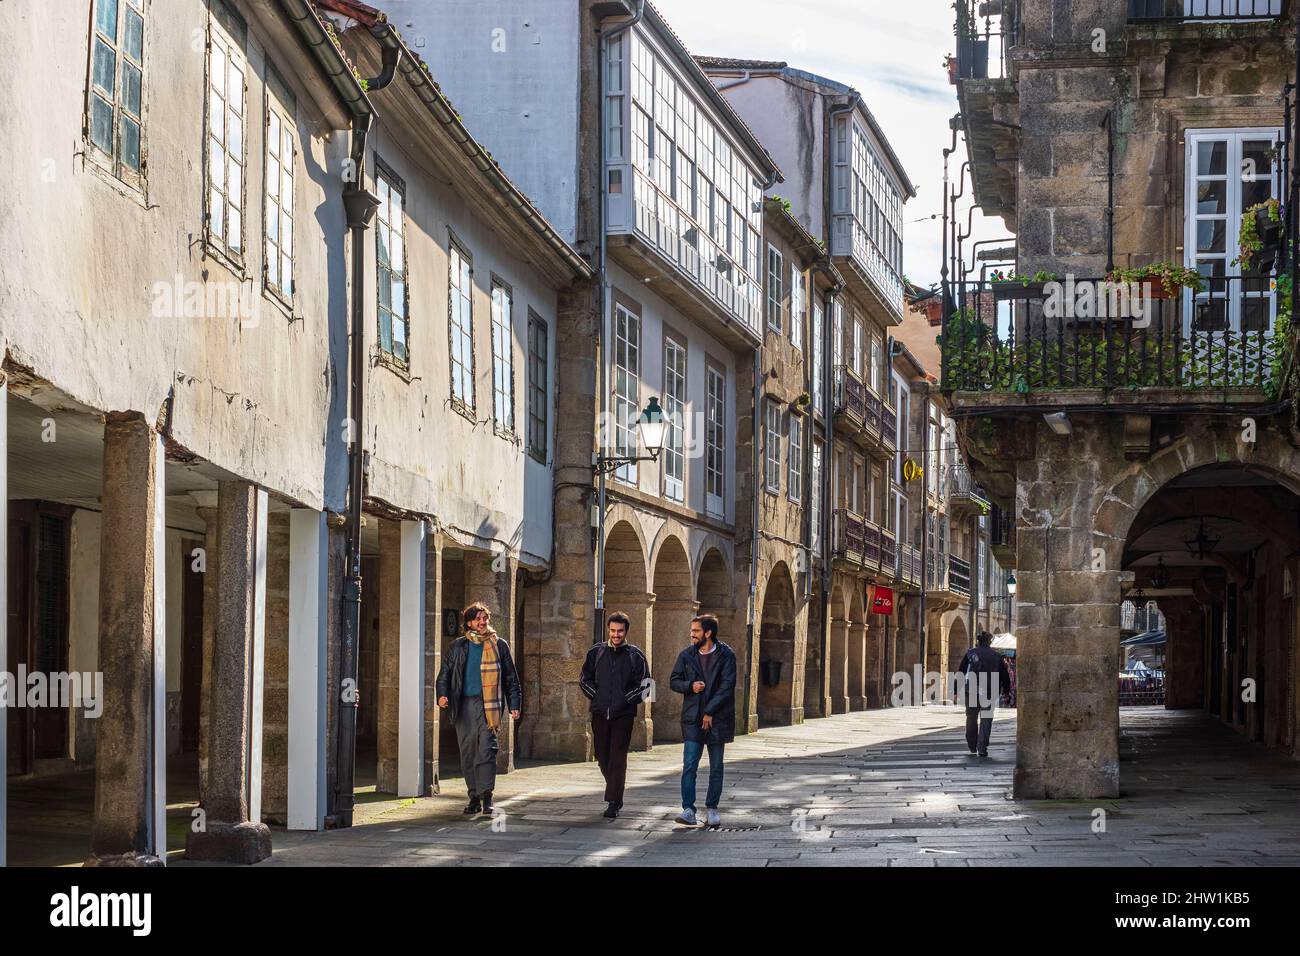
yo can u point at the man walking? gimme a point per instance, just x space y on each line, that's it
613 678
984 678
478 681
705 674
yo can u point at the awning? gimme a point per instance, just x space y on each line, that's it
1145 639
1004 641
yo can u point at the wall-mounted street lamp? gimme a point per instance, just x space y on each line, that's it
1011 584
652 433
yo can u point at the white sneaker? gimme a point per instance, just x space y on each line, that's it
687 817
713 819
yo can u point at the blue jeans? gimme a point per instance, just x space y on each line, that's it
691 753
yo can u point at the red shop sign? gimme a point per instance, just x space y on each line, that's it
882 601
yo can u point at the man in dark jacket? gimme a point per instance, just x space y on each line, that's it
613 678
984 677
705 674
478 681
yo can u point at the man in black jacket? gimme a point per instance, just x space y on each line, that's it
705 674
614 677
984 677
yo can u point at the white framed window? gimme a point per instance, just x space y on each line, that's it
615 109
390 268
775 290
277 214
503 358
877 361
460 326
673 457
772 447
858 485
794 460
855 358
1228 171
115 87
798 297
227 95
627 388
715 450
837 339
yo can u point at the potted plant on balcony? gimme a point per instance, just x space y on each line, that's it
950 65
1008 285
1171 278
1260 235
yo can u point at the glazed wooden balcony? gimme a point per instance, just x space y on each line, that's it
862 545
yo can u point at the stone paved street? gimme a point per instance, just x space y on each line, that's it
886 787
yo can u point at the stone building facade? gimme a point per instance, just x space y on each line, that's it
1133 452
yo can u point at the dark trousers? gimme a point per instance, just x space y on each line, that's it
612 738
978 729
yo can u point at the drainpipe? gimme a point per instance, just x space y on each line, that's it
925 517
827 373
1109 124
360 206
734 83
756 491
602 45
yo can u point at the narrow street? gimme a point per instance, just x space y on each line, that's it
888 787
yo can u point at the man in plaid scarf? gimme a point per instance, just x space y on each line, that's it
476 685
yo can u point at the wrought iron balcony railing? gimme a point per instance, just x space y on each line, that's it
958 575
1205 10
985 35
962 487
850 395
1054 335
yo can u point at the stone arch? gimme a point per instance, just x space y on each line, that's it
674 606
958 643
778 683
715 594
626 590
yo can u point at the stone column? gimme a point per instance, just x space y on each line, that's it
1067 741
275 716
643 726
4 609
857 647
130 760
410 695
672 622
490 578
390 649
839 666
308 589
206 506
432 661
232 830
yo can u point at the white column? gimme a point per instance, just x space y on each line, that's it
410 694
257 669
4 609
158 723
308 633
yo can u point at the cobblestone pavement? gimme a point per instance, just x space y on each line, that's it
887 787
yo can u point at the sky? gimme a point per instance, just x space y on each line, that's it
892 53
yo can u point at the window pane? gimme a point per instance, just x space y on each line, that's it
286 232
273 133
272 177
286 274
1212 159
273 269
101 124
106 18
130 142
1212 198
235 92
134 35
130 89
235 182
217 70
234 233
1210 235
235 134
217 210
105 66
216 164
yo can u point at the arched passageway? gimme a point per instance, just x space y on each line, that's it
626 591
958 644
715 595
779 684
674 606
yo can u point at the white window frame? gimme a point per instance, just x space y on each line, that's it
775 289
772 447
673 457
798 280
460 326
120 116
715 472
392 277
503 358
815 495
818 330
794 460
279 177
539 377
627 389
226 233
1233 177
